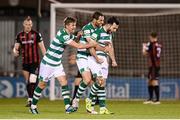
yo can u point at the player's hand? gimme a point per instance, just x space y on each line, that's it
99 60
80 33
107 49
93 43
16 52
114 64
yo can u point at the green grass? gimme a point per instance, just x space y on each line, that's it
14 109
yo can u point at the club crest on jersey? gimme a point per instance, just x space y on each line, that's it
32 36
66 37
87 32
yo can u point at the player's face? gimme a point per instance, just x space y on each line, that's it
113 28
27 25
100 21
152 39
71 27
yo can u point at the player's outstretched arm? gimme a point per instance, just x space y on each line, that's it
82 46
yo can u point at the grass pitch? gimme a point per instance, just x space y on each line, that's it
15 109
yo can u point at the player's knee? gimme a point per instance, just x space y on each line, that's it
42 84
100 80
32 78
155 82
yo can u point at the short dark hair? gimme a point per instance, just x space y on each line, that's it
112 20
96 15
154 34
28 18
68 20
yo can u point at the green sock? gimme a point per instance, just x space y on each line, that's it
81 89
37 95
101 96
93 92
66 95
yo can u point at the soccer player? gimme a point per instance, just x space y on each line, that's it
82 55
103 36
51 64
152 49
27 42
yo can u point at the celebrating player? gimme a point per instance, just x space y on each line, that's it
82 55
103 36
51 64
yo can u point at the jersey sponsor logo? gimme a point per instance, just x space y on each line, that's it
28 42
94 36
104 34
66 37
87 32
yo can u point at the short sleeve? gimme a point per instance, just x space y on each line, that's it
17 39
39 37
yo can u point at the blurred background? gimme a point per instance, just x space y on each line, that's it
128 80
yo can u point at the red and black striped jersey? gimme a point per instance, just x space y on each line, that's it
154 53
29 46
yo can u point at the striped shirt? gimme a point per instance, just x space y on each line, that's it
53 56
88 29
29 46
103 38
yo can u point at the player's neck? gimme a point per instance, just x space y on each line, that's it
67 31
94 24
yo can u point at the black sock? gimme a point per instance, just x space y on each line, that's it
150 91
156 89
32 88
75 91
28 89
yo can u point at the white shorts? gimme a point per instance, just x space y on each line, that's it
46 72
82 65
94 67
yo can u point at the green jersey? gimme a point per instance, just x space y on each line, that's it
54 53
88 29
103 38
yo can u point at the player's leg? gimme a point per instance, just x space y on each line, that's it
86 79
32 82
150 87
155 83
26 73
77 82
45 74
60 75
97 75
65 93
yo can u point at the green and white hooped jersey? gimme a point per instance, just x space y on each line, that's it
103 38
88 29
54 53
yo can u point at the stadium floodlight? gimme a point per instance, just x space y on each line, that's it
136 22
